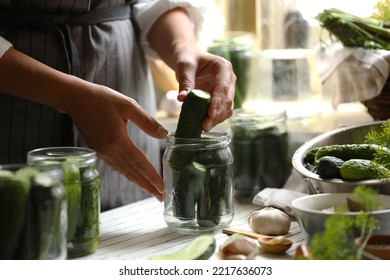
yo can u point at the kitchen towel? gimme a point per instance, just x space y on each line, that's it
296 186
352 74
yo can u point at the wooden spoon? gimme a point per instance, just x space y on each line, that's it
270 244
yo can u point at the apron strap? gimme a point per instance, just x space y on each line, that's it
60 23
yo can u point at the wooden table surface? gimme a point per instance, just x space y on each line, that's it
138 231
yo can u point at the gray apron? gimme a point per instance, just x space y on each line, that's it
94 40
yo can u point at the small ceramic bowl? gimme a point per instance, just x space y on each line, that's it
378 246
312 211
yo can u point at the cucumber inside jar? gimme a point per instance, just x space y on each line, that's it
260 150
198 183
82 185
31 214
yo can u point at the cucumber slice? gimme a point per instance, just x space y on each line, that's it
193 111
201 248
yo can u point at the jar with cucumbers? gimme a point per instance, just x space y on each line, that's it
260 151
82 185
198 183
33 213
239 48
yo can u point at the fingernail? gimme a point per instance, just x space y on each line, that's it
209 126
183 91
162 131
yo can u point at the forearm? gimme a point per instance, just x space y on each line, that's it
22 76
172 35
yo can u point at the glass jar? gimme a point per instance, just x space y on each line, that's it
198 183
82 185
33 215
238 48
260 151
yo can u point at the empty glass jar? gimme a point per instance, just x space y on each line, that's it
198 183
82 185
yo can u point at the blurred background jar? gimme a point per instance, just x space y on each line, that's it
238 48
198 183
33 213
260 150
82 186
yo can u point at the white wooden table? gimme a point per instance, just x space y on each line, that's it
138 231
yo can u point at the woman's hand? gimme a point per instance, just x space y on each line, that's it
101 117
172 37
100 114
211 73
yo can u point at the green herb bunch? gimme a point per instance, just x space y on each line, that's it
337 242
381 138
353 31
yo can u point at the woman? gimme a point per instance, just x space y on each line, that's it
75 73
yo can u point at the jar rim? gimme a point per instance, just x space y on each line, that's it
51 170
39 155
207 140
249 116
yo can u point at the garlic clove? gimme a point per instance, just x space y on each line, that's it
238 247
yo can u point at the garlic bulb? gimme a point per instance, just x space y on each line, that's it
269 221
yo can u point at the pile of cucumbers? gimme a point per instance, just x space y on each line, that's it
349 161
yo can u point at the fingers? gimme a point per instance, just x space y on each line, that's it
185 74
144 121
222 101
133 164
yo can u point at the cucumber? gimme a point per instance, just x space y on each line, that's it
353 151
43 234
187 183
196 194
87 236
14 194
192 114
309 156
363 169
72 183
329 167
210 199
200 248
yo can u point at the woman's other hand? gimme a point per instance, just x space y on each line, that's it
172 37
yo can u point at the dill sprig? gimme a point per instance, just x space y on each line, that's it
381 138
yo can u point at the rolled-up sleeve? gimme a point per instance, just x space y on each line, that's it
204 14
4 46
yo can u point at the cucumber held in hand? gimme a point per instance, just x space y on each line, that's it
192 114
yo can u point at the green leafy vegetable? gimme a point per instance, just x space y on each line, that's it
354 31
